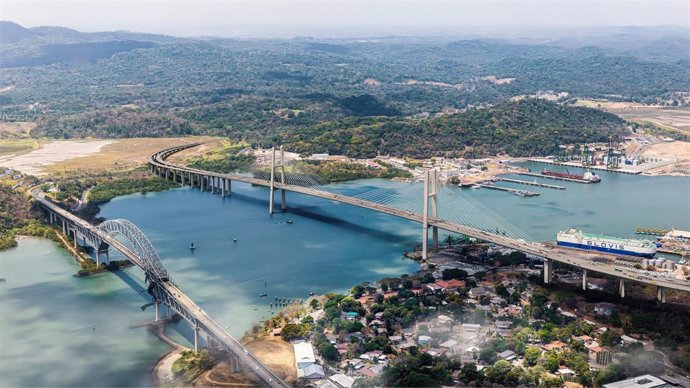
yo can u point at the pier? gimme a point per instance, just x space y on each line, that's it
593 167
558 178
527 193
533 183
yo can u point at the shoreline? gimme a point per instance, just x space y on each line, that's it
161 371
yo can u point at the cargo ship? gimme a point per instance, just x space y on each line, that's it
598 242
588 176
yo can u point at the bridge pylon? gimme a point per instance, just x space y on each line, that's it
430 192
272 188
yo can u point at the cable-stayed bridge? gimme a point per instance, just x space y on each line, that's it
433 205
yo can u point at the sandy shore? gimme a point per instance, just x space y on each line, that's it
162 371
33 162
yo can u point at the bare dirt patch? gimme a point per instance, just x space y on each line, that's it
672 150
123 154
676 119
34 162
277 354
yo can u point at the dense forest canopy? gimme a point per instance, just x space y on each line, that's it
352 96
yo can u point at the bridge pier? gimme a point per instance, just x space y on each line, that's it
272 188
584 279
157 306
425 216
621 287
222 186
282 179
196 337
548 271
201 182
661 294
434 210
64 227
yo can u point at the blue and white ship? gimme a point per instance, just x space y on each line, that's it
598 242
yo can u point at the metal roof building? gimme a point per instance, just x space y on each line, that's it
304 354
644 381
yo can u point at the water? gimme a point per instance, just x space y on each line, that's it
47 321
47 316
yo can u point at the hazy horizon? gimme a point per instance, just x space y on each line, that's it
330 18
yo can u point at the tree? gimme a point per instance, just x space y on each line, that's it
497 372
609 337
488 355
532 355
314 304
469 373
329 352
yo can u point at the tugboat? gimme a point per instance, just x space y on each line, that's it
191 246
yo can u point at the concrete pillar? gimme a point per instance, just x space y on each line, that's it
661 294
64 227
158 313
182 177
196 337
222 187
621 287
229 187
201 182
434 210
76 239
282 179
548 271
271 193
425 216
584 279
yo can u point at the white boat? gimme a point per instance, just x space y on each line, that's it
475 187
577 239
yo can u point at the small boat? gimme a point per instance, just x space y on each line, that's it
191 246
311 293
235 238
521 193
288 222
475 187
262 295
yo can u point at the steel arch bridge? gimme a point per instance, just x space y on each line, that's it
140 244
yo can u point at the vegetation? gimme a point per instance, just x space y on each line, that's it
18 216
334 171
225 160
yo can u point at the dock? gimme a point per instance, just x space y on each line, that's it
508 189
533 183
558 178
621 170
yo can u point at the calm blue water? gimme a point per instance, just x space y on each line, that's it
47 316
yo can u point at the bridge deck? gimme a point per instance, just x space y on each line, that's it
575 258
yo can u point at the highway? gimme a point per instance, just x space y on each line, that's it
577 258
180 302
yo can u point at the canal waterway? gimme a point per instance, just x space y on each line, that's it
47 316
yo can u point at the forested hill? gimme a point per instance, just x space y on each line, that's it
523 128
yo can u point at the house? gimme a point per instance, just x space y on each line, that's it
311 372
395 339
444 320
504 325
627 340
424 340
451 284
276 331
448 344
304 354
507 355
555 345
585 339
644 381
477 292
565 371
472 328
356 364
342 380
350 315
605 308
378 315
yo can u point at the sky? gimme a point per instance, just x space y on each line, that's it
333 17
